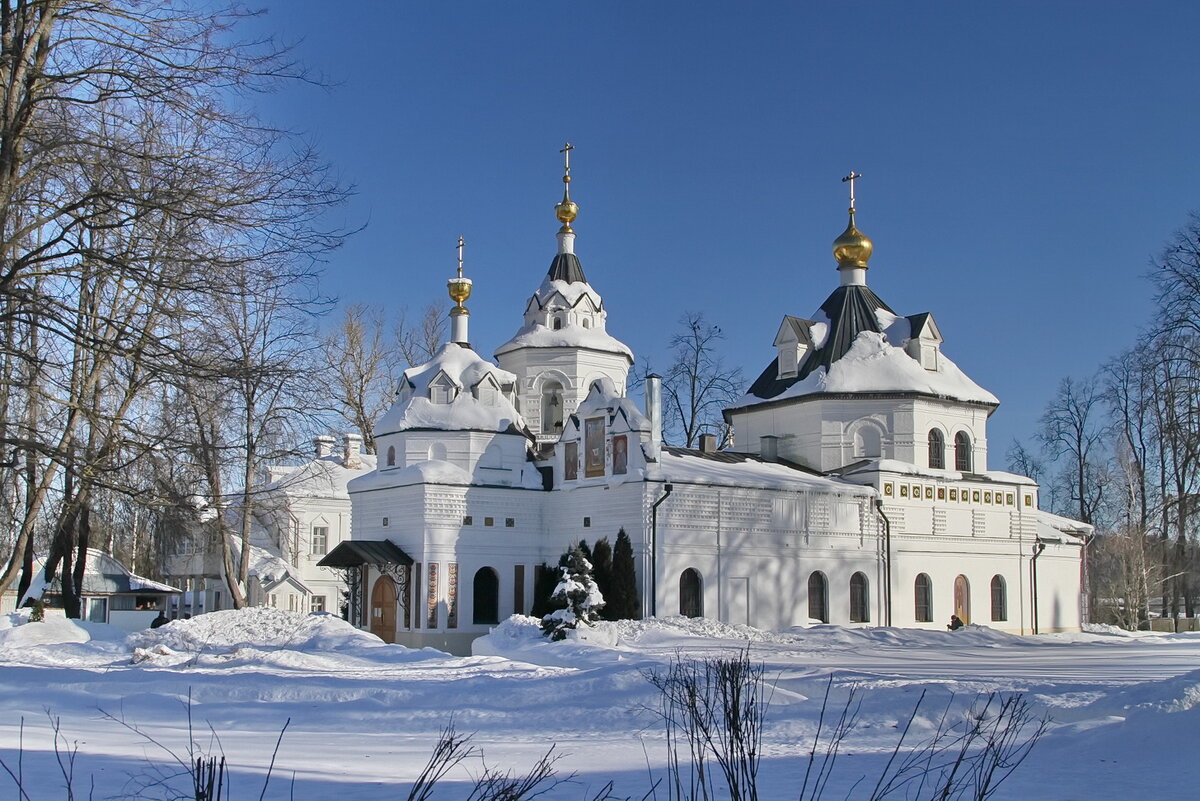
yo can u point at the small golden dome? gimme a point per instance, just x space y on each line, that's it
459 289
852 248
568 210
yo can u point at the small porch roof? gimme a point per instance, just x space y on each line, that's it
353 553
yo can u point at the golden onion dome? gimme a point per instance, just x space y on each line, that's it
568 210
852 248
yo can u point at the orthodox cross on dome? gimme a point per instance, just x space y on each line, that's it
566 151
462 242
851 178
566 211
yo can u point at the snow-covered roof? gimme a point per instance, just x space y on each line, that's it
325 477
104 575
1056 528
873 364
464 369
557 293
603 397
742 470
858 347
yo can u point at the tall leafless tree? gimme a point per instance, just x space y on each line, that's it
698 385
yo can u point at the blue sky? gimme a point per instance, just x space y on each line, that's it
1023 162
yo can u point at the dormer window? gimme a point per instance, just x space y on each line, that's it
924 344
793 342
442 389
487 391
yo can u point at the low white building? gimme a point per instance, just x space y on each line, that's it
299 514
857 491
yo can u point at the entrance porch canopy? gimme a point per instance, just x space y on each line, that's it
353 553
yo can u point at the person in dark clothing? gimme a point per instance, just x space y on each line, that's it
161 620
955 623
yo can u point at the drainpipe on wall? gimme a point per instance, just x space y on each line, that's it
887 563
1037 551
667 490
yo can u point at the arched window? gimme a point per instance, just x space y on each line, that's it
587 323
867 444
999 599
437 452
818 598
391 457
691 593
962 452
937 450
485 591
923 595
557 323
860 611
552 408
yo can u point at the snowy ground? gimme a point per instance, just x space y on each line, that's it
363 715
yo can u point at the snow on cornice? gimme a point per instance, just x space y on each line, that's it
434 471
536 335
873 365
898 467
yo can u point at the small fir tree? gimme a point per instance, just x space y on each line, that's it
587 552
578 593
623 601
602 571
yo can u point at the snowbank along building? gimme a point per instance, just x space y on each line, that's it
857 491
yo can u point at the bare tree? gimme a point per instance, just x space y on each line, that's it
1072 429
133 193
698 385
361 366
419 339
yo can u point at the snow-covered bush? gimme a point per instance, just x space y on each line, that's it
579 595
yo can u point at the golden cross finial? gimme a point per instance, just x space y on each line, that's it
461 242
851 178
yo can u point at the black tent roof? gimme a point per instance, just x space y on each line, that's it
566 267
353 553
850 311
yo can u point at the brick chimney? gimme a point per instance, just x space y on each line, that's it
323 445
352 452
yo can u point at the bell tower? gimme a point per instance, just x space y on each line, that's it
563 348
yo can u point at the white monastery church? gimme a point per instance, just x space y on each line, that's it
856 493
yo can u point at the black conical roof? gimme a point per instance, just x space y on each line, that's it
850 311
566 267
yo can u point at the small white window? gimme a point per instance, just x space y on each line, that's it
320 540
316 603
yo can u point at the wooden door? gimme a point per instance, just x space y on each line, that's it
383 609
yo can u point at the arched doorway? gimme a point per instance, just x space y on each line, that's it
860 600
818 598
383 609
962 599
691 593
485 590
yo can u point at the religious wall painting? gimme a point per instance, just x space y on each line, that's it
571 461
593 447
620 457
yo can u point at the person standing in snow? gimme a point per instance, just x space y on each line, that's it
161 620
955 623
